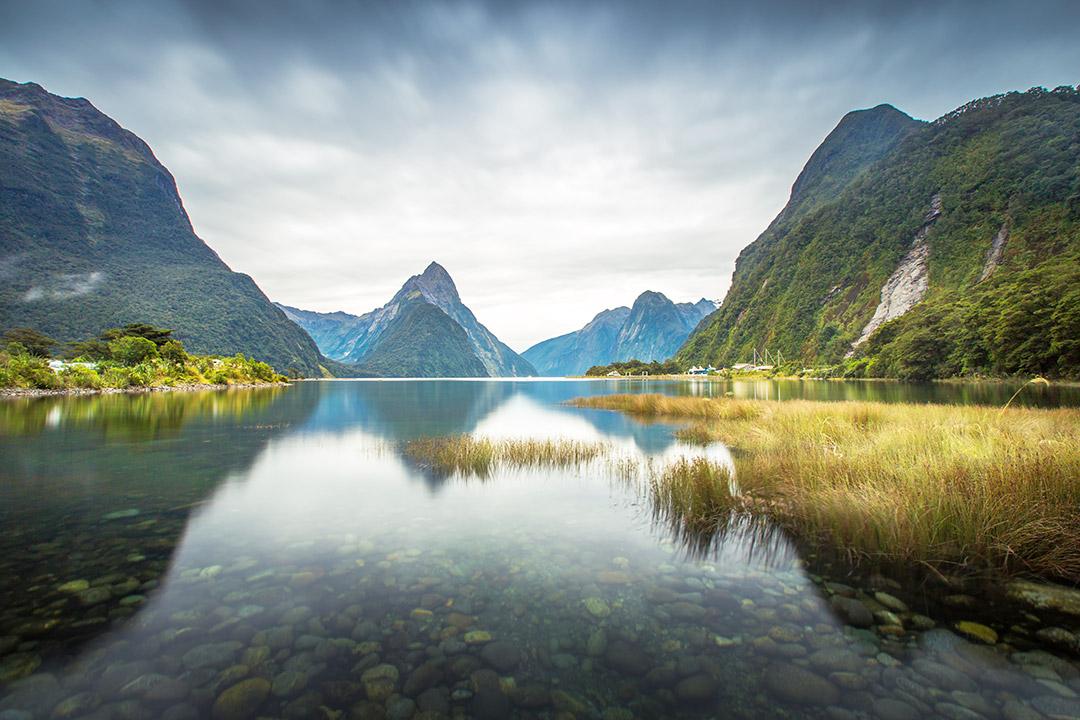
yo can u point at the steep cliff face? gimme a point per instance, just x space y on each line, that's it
355 339
653 329
93 235
918 294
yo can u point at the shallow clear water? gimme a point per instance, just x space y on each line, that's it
272 553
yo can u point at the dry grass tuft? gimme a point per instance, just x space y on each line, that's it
478 456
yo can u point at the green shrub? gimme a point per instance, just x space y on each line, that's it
27 371
117 377
262 371
80 377
144 375
173 351
132 350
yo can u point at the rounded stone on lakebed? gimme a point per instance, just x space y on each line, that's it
74 586
380 681
852 611
627 658
695 689
977 631
501 655
242 700
891 602
596 607
892 709
800 686
477 637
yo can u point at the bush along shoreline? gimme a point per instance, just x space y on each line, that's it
133 358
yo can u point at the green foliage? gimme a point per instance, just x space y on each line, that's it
96 349
77 376
173 351
131 350
34 342
812 281
19 369
134 362
156 335
637 367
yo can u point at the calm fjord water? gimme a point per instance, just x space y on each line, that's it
272 553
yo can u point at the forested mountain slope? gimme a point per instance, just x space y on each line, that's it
93 235
957 252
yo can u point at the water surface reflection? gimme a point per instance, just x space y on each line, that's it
253 554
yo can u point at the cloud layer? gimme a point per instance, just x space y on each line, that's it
557 158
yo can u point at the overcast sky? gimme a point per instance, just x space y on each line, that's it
556 158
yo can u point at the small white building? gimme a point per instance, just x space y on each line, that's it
614 373
58 365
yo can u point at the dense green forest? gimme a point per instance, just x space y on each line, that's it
1002 257
134 356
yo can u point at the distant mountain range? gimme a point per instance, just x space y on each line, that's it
424 331
919 250
93 235
653 329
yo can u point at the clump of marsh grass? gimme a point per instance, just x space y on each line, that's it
699 433
692 494
461 453
696 503
470 455
953 487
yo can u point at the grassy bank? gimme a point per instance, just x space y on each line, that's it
954 487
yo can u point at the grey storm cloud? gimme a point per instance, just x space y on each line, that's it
557 158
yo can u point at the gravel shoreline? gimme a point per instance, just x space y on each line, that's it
43 392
